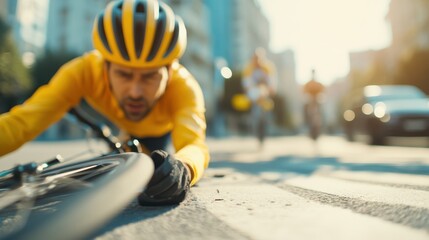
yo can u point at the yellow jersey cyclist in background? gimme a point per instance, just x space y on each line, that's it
259 83
133 78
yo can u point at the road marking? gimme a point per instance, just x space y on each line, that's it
417 182
363 191
402 214
265 211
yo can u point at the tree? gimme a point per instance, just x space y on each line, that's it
14 76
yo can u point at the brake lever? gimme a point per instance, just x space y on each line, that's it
133 145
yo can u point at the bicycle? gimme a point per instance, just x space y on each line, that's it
264 106
313 117
41 200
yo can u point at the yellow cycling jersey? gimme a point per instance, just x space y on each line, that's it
179 111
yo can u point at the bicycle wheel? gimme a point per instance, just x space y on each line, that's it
314 120
261 129
79 212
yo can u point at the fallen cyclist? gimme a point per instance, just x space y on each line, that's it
133 78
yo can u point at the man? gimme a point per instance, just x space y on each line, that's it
134 79
312 109
259 83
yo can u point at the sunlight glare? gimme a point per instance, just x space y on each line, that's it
322 33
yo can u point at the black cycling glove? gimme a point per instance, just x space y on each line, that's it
170 181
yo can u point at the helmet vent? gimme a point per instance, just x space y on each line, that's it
140 7
159 34
102 33
139 27
118 31
173 40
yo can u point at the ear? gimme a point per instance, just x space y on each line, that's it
170 70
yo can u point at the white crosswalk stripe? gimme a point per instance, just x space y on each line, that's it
275 213
363 191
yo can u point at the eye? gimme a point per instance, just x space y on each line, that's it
125 75
152 77
148 75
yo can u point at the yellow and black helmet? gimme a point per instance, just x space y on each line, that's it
139 33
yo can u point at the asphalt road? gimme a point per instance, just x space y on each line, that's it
290 189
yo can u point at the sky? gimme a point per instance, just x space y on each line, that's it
323 32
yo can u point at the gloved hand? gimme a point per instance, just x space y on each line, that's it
170 182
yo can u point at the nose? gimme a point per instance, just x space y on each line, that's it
136 90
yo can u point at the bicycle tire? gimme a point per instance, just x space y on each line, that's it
314 128
261 129
86 211
314 120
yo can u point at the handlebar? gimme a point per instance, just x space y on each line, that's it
102 131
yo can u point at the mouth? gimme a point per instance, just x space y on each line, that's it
135 107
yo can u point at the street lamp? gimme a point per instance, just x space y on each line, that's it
221 73
226 72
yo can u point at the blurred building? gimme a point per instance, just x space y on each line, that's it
30 27
220 14
409 20
10 10
57 25
238 27
198 56
287 86
332 104
364 60
70 23
409 23
361 61
3 9
251 29
54 25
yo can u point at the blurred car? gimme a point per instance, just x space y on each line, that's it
380 111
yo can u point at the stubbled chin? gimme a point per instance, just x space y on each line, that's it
136 112
135 116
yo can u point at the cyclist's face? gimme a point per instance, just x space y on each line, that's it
137 90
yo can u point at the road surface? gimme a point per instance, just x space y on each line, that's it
290 189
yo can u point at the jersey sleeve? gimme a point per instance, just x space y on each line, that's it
46 106
188 134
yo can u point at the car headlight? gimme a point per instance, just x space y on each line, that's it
380 110
367 109
386 118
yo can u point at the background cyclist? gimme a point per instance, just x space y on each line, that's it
259 83
313 90
133 77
